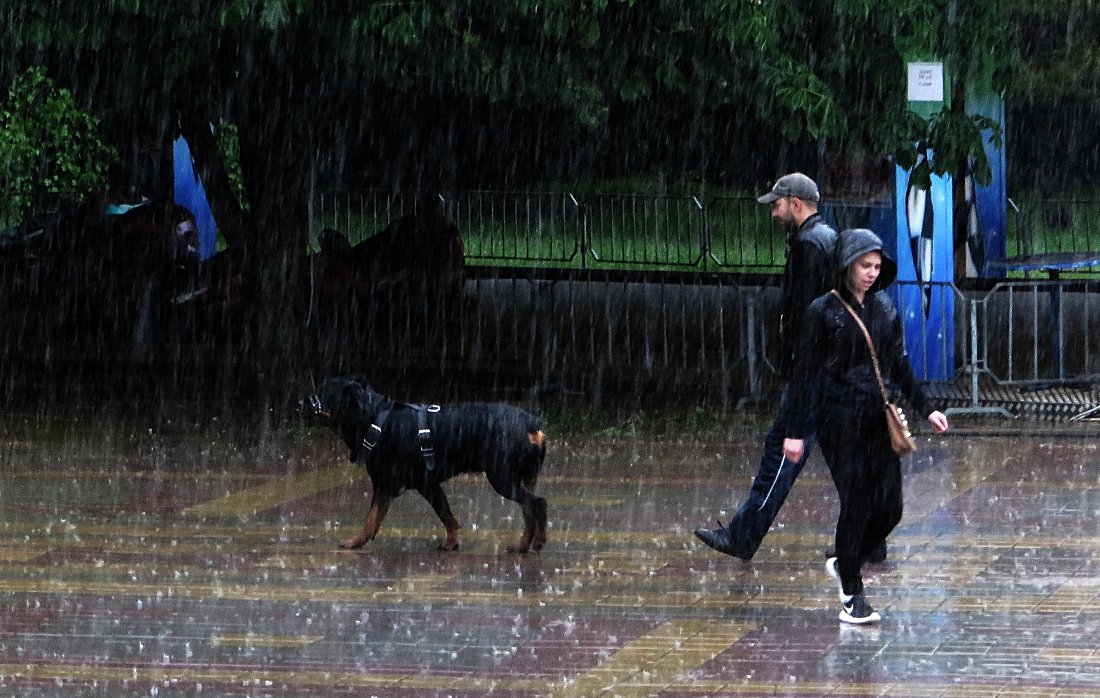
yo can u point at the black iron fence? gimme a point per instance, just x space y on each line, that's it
562 230
1053 225
594 231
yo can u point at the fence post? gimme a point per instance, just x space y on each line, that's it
975 368
704 234
752 354
583 243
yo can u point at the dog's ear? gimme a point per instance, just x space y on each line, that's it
360 380
330 392
363 396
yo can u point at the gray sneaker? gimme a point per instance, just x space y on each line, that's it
858 612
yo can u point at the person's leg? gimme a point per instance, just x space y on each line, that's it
887 496
852 466
874 547
773 482
847 469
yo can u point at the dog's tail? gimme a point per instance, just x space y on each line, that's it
537 438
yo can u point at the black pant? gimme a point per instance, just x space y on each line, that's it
867 475
772 484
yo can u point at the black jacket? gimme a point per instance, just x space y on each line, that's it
810 271
833 350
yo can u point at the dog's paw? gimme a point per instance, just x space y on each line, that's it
352 543
448 545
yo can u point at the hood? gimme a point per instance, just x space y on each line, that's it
856 242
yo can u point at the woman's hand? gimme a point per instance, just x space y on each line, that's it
938 420
794 448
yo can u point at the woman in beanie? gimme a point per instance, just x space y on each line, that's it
852 430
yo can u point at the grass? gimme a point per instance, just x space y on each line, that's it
649 224
593 231
1054 225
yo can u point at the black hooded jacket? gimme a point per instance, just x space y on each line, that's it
810 270
833 352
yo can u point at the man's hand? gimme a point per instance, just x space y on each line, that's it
794 448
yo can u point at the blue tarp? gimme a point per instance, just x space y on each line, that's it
190 194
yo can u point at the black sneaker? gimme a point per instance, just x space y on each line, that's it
857 611
721 539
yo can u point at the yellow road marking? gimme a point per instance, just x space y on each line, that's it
663 657
610 588
424 582
22 554
26 540
251 501
265 640
616 565
580 501
397 592
13 673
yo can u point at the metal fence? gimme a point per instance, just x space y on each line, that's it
607 332
593 231
1053 225
602 338
1039 332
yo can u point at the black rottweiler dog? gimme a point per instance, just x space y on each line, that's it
388 437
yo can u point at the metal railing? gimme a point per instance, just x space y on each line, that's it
553 227
1040 332
1053 225
1020 334
592 231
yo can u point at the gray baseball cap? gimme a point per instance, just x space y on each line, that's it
795 184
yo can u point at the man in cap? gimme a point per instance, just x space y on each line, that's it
809 272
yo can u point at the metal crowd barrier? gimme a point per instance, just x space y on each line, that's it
1022 341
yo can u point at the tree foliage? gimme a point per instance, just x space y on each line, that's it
47 144
592 86
445 93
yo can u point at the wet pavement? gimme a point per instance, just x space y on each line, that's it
170 561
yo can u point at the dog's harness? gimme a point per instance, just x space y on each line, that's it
374 432
423 433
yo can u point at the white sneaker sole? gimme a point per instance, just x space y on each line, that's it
873 618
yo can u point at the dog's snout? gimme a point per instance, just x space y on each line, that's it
311 409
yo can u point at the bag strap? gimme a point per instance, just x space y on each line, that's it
870 345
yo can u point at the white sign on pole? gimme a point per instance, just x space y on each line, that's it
926 82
